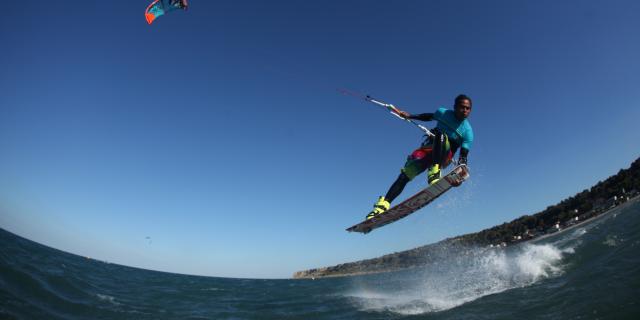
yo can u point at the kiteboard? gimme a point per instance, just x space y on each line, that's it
453 179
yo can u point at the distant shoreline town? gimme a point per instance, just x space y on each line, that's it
569 213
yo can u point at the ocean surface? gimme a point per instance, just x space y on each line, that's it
589 272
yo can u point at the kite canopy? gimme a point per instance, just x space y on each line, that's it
160 7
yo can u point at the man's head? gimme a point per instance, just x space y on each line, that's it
462 107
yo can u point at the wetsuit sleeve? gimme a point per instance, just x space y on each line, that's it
467 139
464 152
422 116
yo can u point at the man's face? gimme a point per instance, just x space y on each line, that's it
463 109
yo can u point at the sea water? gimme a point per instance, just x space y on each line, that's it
589 272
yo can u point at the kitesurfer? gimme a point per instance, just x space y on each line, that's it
453 131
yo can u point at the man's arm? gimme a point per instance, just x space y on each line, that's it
463 155
421 117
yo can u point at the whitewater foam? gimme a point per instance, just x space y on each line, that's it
460 277
107 298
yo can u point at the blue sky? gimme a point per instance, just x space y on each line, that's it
219 132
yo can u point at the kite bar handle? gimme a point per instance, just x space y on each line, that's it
394 111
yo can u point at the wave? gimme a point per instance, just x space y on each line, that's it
461 277
541 272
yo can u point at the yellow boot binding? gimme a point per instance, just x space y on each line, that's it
379 208
434 174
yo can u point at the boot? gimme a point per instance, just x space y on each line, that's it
380 207
433 175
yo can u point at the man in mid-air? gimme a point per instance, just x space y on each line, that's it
453 131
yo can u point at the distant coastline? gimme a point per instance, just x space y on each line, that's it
592 219
599 201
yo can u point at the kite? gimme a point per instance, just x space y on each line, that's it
160 7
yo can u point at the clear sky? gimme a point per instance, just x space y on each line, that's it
215 142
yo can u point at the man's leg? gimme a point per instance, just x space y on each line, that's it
397 187
441 150
416 163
